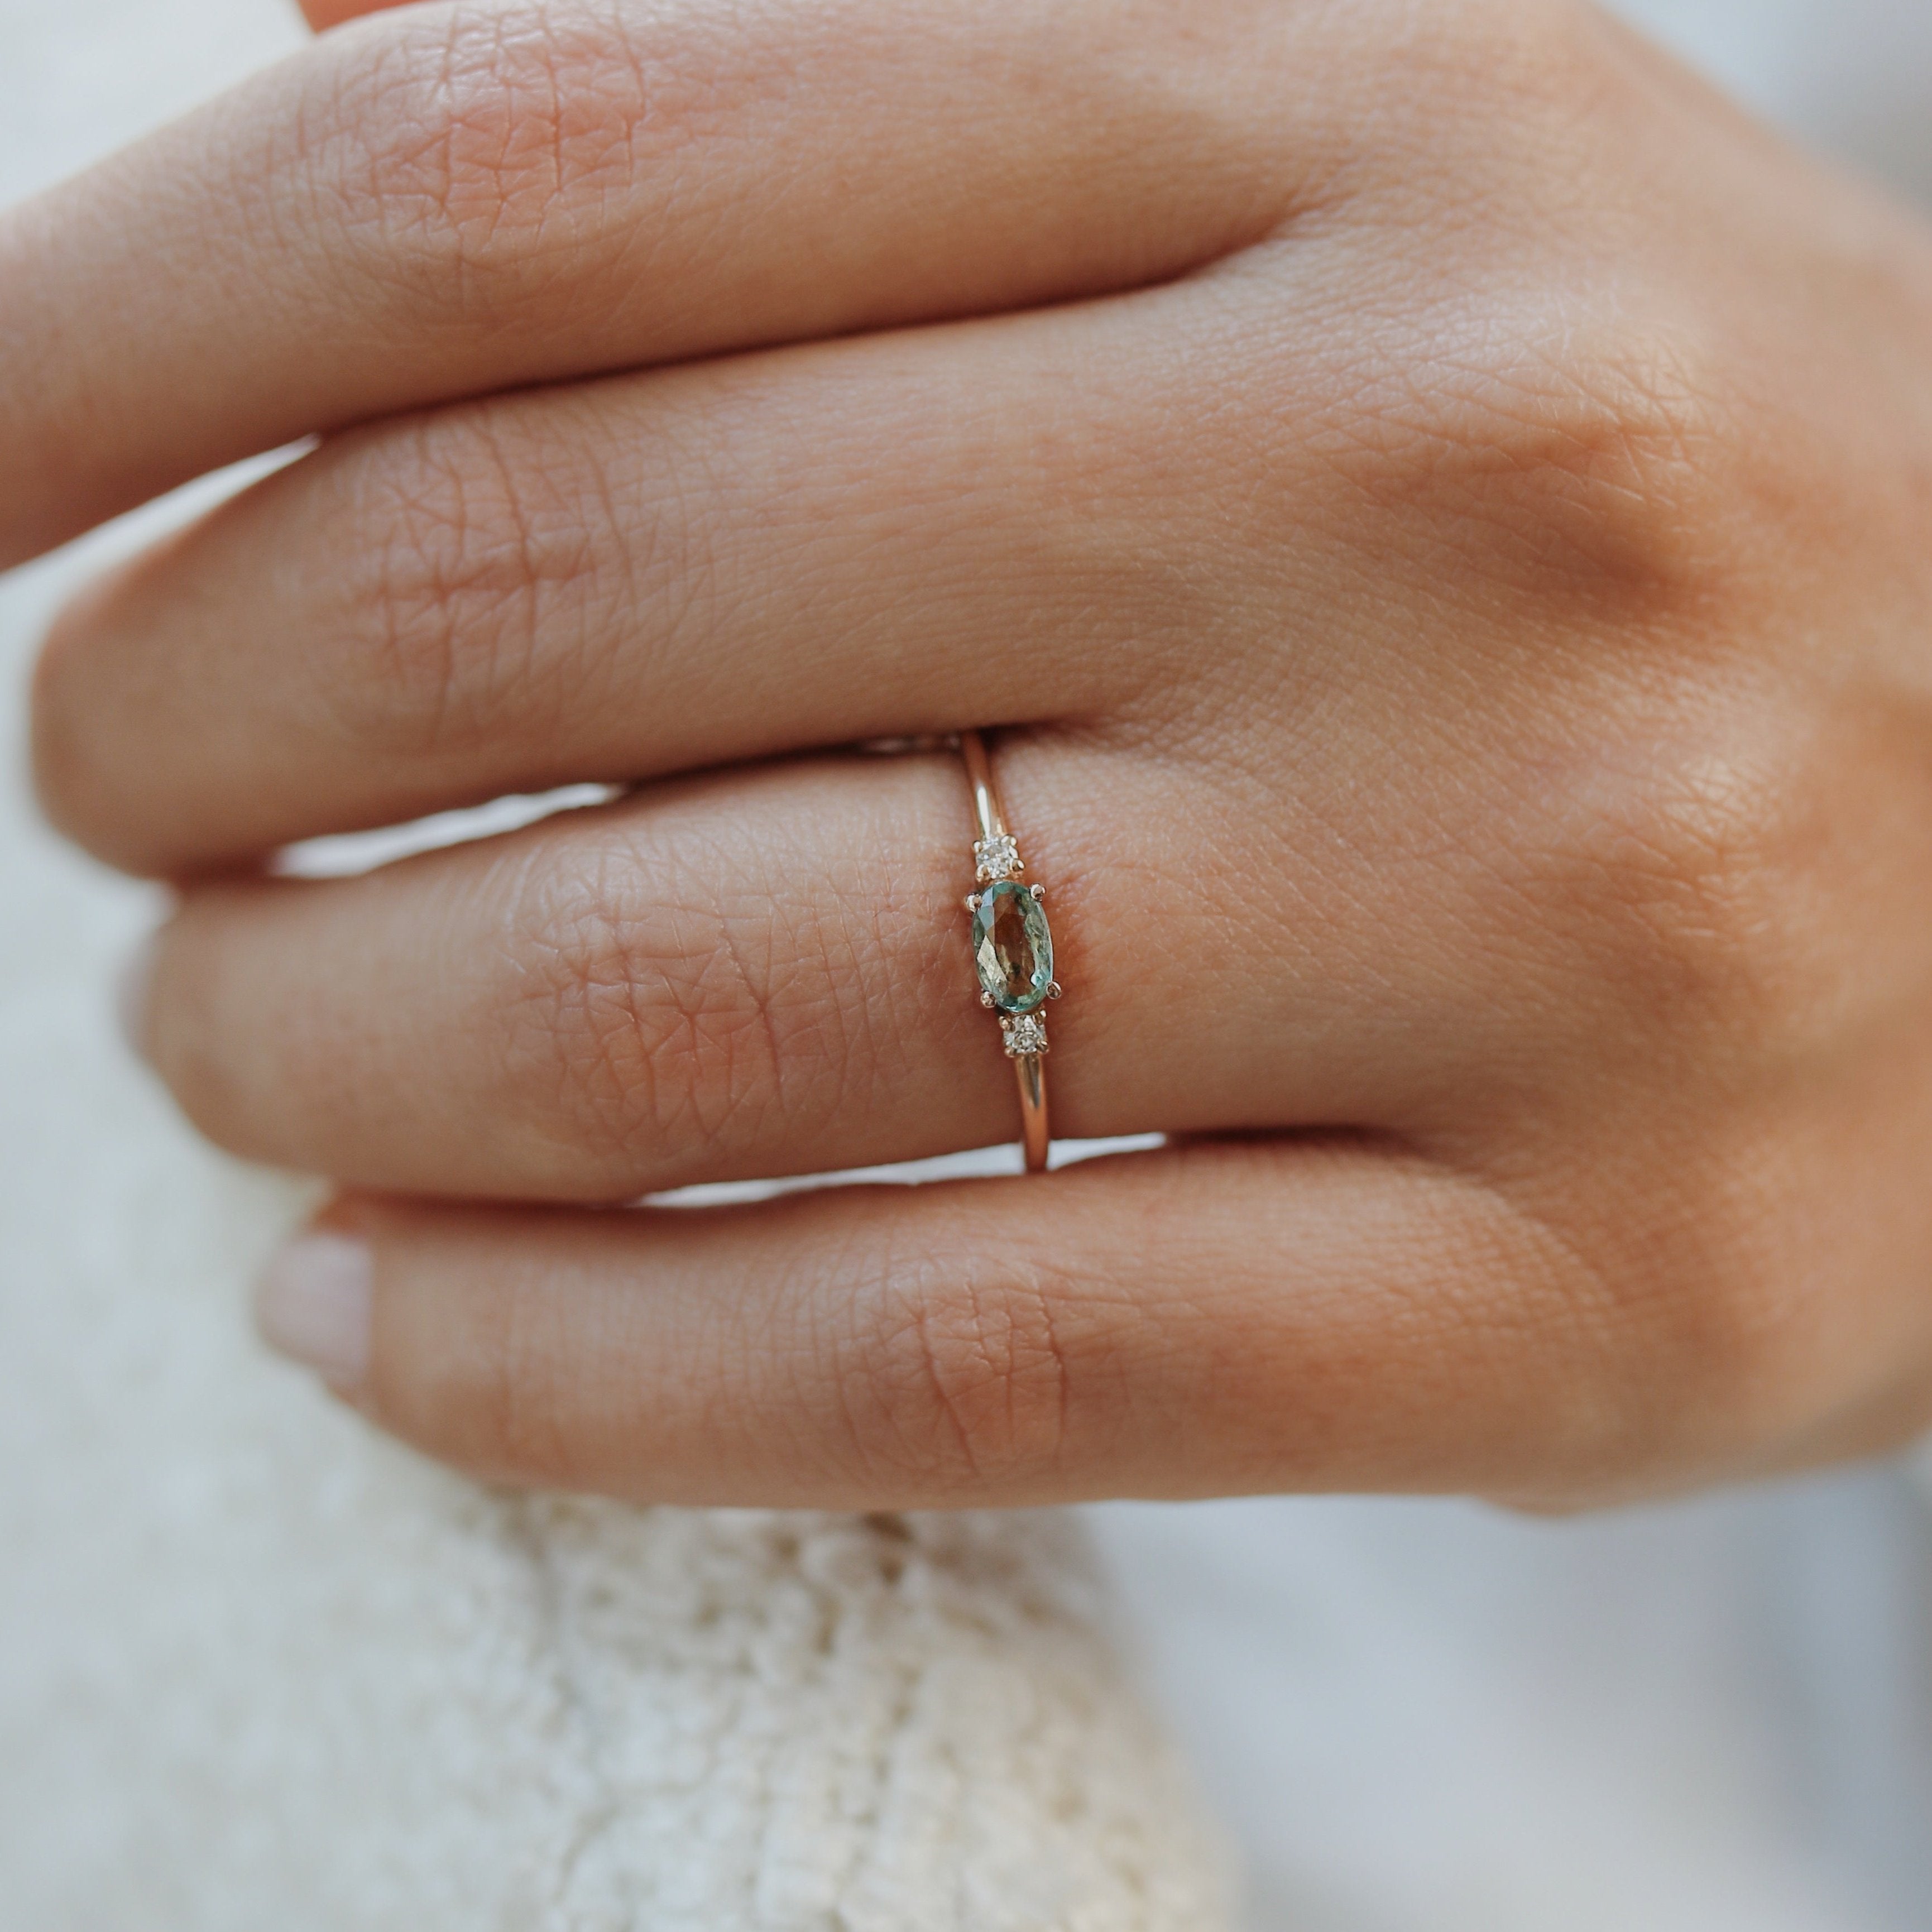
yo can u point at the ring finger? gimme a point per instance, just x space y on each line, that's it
768 971
750 972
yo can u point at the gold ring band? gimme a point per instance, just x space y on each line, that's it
1012 947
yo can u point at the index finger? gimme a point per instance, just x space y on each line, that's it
456 198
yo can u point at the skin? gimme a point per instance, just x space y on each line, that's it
1439 508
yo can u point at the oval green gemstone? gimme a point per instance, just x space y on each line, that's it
1012 947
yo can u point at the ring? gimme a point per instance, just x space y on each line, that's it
1012 947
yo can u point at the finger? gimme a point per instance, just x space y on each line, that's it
1207 1320
764 972
323 14
767 970
770 971
647 573
457 198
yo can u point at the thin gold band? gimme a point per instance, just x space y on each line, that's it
997 858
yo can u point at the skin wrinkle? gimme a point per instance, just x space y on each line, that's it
904 1357
822 1293
759 970
515 126
721 1036
865 1049
429 567
556 979
992 1354
789 1021
560 558
688 1050
949 1369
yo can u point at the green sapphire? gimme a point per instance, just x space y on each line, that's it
1012 946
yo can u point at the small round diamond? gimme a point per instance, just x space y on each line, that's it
1026 1034
997 857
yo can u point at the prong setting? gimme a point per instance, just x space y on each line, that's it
1012 949
1023 1036
996 857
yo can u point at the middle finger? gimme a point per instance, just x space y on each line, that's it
645 575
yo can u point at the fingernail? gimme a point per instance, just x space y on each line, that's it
130 996
312 1305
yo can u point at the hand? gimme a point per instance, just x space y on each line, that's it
1442 506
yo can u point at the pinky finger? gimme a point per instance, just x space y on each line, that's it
1209 1320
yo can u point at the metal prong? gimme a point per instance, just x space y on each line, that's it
986 1000
1038 892
972 901
1053 992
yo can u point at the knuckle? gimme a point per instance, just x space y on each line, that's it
454 577
1622 450
1569 431
669 1028
1709 887
479 142
1581 464
1621 444
474 153
958 1380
